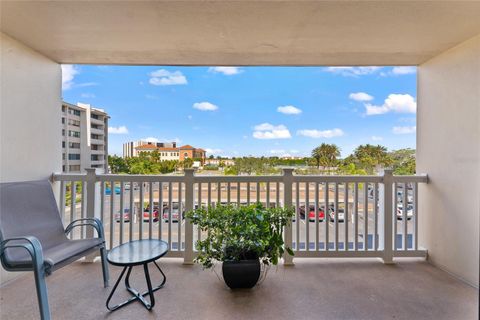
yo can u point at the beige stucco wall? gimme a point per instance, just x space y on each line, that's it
448 149
30 126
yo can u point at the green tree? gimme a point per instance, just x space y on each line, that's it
326 155
403 161
368 157
118 164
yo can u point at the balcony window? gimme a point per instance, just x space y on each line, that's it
73 156
74 145
73 134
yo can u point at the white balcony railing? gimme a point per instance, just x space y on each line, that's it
336 216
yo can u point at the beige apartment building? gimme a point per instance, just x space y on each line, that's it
84 138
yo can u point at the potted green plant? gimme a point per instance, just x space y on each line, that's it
242 238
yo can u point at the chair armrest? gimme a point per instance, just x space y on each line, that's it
93 222
29 243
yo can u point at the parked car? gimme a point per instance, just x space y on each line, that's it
126 216
400 211
146 214
175 212
311 213
108 190
340 214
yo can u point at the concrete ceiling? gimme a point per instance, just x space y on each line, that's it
241 32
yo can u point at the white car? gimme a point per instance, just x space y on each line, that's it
340 214
400 211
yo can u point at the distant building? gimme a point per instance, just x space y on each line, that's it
218 162
84 138
130 148
171 153
187 151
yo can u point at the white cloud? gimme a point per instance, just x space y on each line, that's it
376 138
399 103
404 70
164 77
205 106
277 151
150 139
289 110
153 139
314 133
228 71
360 96
404 130
68 74
213 150
118 130
87 95
352 71
270 131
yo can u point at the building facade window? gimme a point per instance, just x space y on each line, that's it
63 144
73 134
75 123
74 167
73 156
63 120
74 145
74 112
95 136
63 132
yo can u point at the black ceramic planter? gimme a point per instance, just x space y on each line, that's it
241 274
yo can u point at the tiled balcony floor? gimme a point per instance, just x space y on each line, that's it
312 289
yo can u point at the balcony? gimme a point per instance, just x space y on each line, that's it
355 286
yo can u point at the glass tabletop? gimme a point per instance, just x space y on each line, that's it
137 252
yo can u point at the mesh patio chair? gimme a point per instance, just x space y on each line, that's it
32 237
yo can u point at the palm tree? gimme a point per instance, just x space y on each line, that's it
326 155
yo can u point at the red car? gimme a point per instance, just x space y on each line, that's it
146 215
311 213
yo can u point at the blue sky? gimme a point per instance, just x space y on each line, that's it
235 111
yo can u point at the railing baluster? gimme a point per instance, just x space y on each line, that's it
258 192
355 203
327 217
277 194
209 194
228 193
112 203
345 216
170 216
248 193
307 216
219 193
102 202
297 220
132 212
180 217
375 208
73 201
365 216
62 201
150 204
335 215
160 210
83 208
140 214
405 216
238 193
122 190
199 206
395 208
415 214
317 209
268 195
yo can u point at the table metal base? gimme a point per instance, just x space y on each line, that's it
135 294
